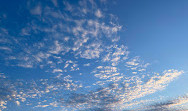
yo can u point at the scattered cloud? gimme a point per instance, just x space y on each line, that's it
57 70
61 42
98 13
88 64
6 49
169 105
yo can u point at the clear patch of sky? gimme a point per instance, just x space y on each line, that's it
155 30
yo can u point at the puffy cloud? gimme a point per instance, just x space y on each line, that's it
18 103
98 13
133 62
116 54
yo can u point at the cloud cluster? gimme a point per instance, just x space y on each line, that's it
121 93
170 105
76 43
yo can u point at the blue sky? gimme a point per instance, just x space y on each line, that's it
88 55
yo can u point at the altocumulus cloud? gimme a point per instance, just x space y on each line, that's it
65 41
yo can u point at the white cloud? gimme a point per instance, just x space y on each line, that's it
178 104
18 103
98 13
90 54
58 48
116 54
57 70
54 104
179 101
3 105
5 48
107 72
133 62
88 64
154 84
42 106
26 65
79 43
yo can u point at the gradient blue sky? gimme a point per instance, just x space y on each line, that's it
87 55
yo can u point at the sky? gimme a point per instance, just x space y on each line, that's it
93 55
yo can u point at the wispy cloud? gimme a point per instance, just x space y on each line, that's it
36 10
169 105
6 49
55 2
